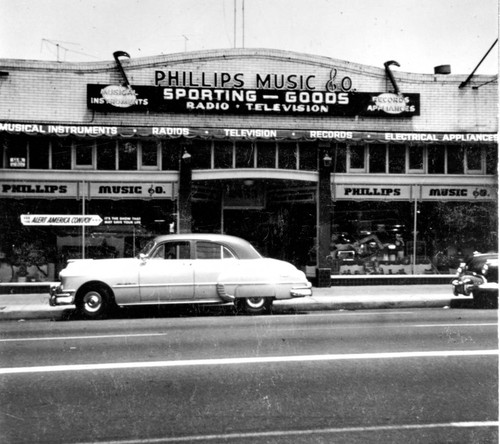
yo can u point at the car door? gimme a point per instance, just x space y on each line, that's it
167 274
211 259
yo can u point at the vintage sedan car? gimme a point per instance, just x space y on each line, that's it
181 269
478 276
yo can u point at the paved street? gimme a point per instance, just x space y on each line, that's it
414 375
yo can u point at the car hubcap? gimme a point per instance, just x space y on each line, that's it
92 301
256 302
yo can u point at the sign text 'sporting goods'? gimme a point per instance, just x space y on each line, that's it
258 101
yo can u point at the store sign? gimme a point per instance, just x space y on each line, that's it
122 220
367 192
38 189
132 190
193 100
459 192
90 220
246 133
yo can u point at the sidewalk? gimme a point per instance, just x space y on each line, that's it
36 305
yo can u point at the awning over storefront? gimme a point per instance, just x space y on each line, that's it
165 132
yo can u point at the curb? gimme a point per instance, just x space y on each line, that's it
45 312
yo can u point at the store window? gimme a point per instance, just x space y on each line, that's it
201 154
38 153
308 159
61 154
244 155
149 154
83 154
287 155
416 158
492 159
16 151
397 159
473 156
455 159
106 155
170 154
223 155
127 155
436 159
266 155
377 157
340 158
357 157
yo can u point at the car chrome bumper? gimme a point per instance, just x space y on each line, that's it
300 292
60 297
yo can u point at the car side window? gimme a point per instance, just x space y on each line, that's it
172 250
212 250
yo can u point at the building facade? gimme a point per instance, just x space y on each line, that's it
328 164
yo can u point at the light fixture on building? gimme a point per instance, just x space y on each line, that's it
248 182
327 161
186 157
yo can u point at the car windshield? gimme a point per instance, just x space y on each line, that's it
147 248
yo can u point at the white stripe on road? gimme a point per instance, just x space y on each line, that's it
291 433
239 361
65 338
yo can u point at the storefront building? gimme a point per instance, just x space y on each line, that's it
331 165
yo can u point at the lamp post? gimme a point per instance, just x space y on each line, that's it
324 207
184 213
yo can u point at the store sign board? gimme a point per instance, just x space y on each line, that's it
458 192
90 220
36 190
368 192
122 220
193 100
245 133
132 190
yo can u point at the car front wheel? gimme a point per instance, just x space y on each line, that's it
94 302
254 306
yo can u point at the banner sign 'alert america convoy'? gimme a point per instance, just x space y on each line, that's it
225 93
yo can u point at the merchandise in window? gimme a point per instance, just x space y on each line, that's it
17 153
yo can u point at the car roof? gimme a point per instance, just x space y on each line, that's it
242 248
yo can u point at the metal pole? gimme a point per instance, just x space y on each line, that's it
83 226
414 235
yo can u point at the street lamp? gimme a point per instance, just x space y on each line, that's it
327 161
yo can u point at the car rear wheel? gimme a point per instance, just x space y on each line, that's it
94 302
254 306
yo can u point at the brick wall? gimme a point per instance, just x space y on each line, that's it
52 92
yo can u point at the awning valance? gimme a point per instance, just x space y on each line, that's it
167 132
